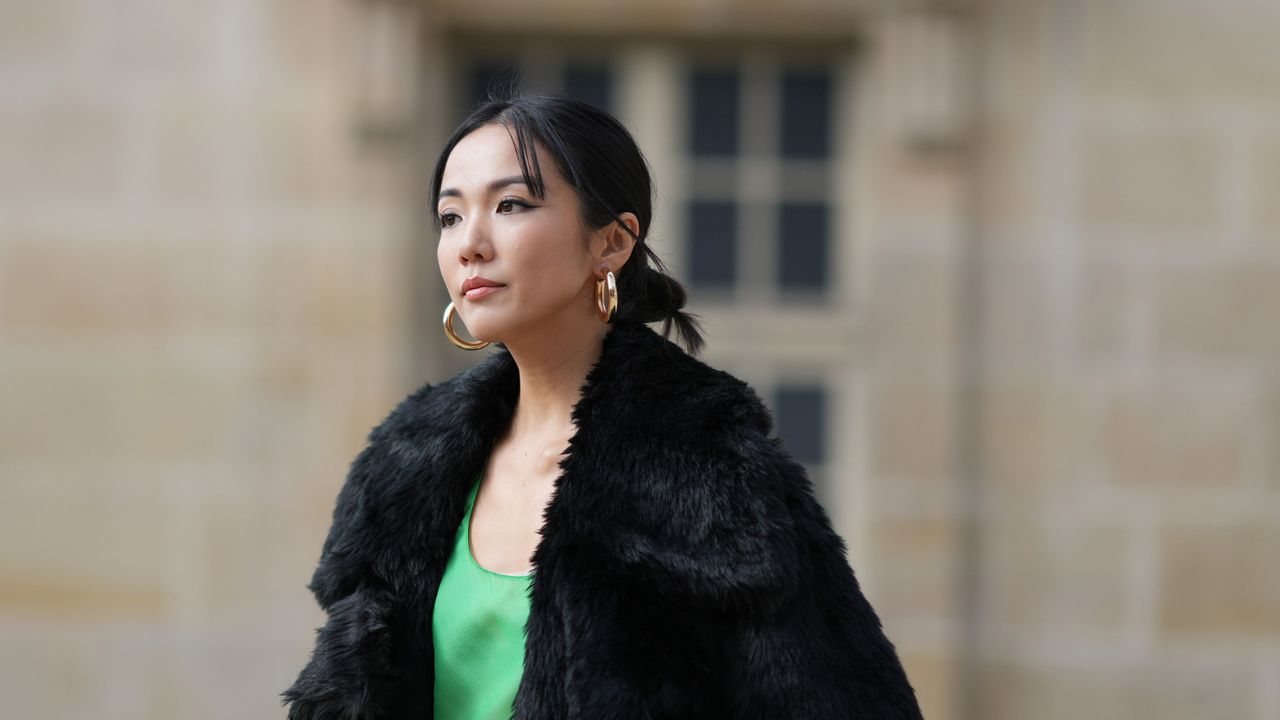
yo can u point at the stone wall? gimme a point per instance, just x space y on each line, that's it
202 312
1129 403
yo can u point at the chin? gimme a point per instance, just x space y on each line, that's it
490 327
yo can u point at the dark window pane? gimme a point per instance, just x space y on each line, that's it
492 76
806 114
803 242
801 416
714 104
713 244
590 83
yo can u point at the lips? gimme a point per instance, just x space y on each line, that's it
474 287
481 291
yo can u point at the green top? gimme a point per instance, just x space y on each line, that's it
478 630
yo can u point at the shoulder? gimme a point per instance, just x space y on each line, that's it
449 404
663 383
434 423
705 495
411 448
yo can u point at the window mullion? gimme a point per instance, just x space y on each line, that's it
759 177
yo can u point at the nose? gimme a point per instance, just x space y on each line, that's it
474 243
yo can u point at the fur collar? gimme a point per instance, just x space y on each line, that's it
670 473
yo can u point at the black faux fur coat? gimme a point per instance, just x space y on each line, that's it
685 569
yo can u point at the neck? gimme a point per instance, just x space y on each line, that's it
552 369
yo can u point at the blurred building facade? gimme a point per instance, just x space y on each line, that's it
1005 271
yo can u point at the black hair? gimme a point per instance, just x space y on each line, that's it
599 158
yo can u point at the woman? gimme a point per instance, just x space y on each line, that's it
589 523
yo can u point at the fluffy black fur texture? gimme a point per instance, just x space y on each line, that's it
685 568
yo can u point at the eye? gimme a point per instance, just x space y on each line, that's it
448 219
510 204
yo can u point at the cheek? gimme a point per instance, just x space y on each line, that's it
563 267
550 278
443 258
446 253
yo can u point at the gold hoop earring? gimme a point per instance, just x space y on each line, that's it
607 309
449 312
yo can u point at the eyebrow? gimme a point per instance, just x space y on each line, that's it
495 185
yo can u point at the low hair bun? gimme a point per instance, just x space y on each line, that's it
648 294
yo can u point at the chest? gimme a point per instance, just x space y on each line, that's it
507 514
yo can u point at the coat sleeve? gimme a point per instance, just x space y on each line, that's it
821 652
352 647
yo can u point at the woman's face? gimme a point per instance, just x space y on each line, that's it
493 226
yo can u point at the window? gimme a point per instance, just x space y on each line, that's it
712 229
806 114
714 99
803 231
759 220
801 415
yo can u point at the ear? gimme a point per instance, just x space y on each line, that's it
614 244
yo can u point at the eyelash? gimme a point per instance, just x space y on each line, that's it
444 218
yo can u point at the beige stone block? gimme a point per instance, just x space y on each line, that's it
1016 299
66 148
109 412
1180 52
1270 430
312 40
1223 310
212 674
1104 689
44 34
188 161
155 41
1158 182
239 544
289 280
1025 437
76 559
913 304
295 297
50 670
1041 580
303 156
912 430
350 289
1014 65
1010 191
117 285
1265 186
1160 437
915 568
1221 580
1113 304
1015 68
148 671
254 285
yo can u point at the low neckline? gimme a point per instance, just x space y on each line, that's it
466 531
